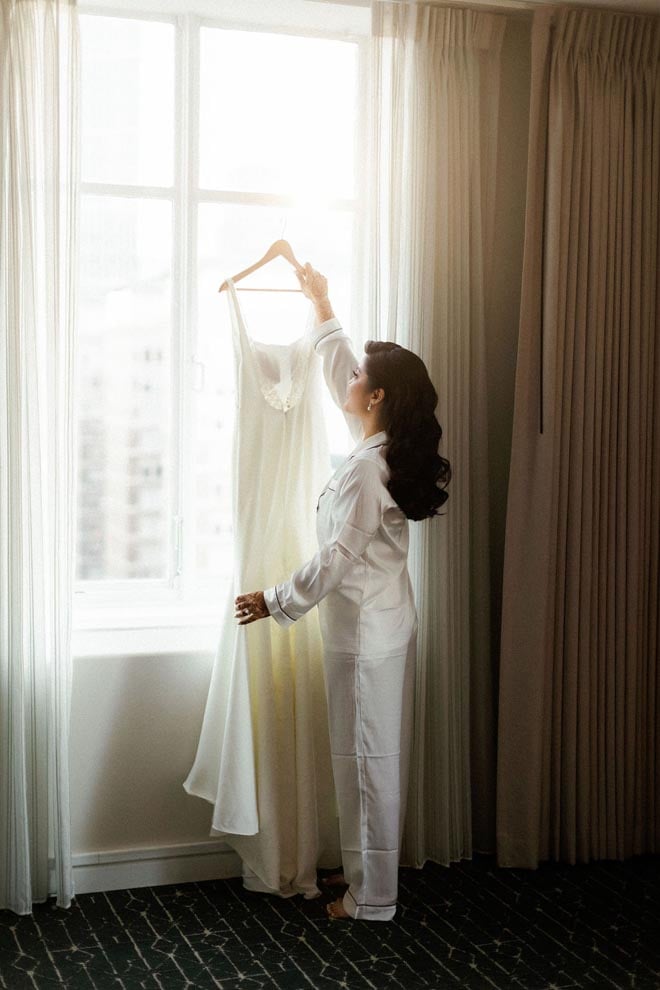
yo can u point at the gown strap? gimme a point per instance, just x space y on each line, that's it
238 329
298 357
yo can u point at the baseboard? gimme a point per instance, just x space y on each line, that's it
121 869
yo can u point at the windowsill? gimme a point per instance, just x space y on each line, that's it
120 632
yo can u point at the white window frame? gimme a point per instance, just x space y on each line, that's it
104 620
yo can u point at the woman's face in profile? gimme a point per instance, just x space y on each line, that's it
358 391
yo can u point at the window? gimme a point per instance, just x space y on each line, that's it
202 142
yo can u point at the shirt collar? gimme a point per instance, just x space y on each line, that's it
377 440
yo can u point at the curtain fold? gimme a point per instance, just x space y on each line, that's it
38 218
579 748
435 86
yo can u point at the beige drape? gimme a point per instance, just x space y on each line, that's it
579 747
435 90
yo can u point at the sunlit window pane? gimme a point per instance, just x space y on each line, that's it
124 328
277 113
230 239
127 100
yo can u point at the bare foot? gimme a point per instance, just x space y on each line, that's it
336 909
334 880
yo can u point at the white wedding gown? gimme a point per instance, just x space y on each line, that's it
263 758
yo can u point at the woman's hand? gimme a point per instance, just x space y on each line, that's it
250 607
315 287
313 284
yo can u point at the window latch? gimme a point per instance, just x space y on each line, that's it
177 523
199 375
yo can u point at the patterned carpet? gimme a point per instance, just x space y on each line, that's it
471 925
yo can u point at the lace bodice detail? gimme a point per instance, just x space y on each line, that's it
292 363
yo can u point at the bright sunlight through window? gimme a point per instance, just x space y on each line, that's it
189 172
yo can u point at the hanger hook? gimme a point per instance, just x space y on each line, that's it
284 218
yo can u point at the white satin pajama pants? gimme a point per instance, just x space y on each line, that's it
370 707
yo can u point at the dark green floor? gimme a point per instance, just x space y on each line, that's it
471 925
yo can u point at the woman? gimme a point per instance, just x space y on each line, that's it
359 578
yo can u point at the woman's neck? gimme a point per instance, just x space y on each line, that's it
371 431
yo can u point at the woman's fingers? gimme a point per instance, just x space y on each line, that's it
243 606
304 282
313 284
250 607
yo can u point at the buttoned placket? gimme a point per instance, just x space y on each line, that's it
377 440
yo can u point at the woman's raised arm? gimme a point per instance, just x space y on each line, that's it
330 341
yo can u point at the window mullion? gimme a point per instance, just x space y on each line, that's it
186 247
126 190
360 313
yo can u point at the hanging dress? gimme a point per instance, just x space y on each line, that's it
263 758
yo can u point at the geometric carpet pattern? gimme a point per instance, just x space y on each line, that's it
470 925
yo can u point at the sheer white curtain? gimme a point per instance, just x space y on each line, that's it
435 85
38 80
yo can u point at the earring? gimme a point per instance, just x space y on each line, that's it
369 407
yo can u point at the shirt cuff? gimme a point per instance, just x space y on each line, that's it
273 605
324 330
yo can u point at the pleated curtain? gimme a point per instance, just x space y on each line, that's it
38 80
435 75
579 745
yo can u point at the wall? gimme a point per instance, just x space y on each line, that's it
134 727
136 718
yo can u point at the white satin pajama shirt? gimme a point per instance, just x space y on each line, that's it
359 579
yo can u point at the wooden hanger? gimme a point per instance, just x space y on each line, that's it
282 248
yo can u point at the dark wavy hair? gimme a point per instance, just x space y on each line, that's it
418 474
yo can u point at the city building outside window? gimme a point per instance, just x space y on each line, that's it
192 165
